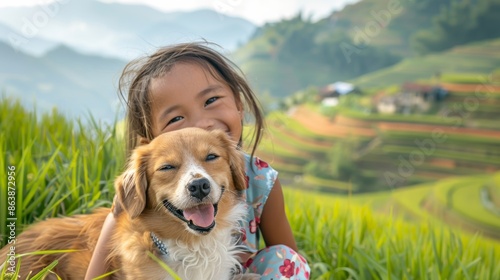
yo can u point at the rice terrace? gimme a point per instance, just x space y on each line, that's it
445 226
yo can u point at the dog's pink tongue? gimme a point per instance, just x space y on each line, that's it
201 215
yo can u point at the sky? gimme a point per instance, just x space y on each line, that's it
256 11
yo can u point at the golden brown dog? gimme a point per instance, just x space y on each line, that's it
182 196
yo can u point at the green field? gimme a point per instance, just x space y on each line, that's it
64 168
347 240
449 180
371 145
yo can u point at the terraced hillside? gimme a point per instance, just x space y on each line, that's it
387 151
466 203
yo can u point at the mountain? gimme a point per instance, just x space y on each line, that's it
293 54
121 30
34 46
480 58
229 32
382 23
285 57
75 83
70 54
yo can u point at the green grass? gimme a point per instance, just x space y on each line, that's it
493 188
459 196
445 154
326 184
64 168
444 190
347 241
290 153
411 199
462 195
463 78
61 167
467 202
297 141
418 119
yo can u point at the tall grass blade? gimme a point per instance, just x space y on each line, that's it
164 266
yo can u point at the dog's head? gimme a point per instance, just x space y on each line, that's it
189 176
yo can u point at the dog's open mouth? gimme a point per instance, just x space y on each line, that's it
200 217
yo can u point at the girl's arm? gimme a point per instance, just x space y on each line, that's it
273 221
97 265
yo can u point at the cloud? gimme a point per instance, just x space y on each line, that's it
256 11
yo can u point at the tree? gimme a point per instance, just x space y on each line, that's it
460 22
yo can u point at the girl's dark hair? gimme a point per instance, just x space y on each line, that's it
135 82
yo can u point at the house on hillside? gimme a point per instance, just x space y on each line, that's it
427 93
329 95
412 97
386 104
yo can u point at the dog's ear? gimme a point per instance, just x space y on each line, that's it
236 162
142 140
131 186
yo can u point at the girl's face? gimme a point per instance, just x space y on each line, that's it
189 96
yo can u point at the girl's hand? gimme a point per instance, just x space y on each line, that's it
244 256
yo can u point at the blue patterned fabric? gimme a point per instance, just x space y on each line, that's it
275 262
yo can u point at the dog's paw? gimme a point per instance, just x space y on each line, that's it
247 276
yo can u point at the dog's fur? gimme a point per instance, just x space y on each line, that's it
159 171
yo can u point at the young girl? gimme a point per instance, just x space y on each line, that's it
192 85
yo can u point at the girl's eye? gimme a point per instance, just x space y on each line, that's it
176 119
211 100
166 167
211 157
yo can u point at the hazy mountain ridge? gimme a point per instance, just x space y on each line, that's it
86 84
118 30
59 54
36 46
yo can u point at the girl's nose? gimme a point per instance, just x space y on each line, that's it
205 123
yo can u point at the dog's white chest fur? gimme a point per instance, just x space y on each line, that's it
214 257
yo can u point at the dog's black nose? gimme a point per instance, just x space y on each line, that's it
199 188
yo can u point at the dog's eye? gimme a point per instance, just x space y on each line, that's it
166 167
211 157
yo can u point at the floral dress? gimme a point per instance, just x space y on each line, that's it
274 262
